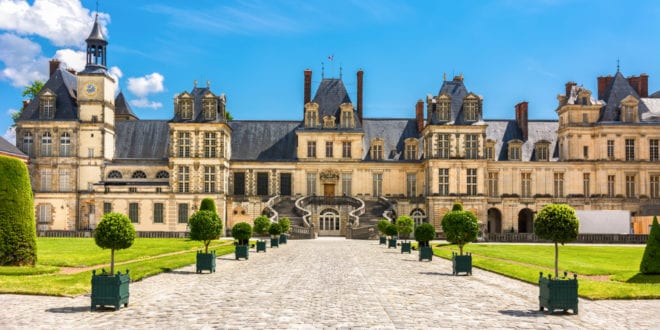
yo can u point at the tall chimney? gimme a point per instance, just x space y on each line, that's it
54 65
25 103
419 115
602 85
308 86
360 73
569 85
640 84
521 119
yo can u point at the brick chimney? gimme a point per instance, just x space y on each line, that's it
640 84
308 86
602 85
54 65
25 103
569 86
419 115
360 73
521 118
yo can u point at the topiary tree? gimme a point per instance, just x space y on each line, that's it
275 229
208 204
261 225
391 230
559 224
651 259
460 227
205 226
114 232
242 232
424 233
18 236
382 226
285 223
405 225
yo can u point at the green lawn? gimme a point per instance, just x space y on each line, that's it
604 272
147 257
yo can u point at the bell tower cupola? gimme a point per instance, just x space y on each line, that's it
96 48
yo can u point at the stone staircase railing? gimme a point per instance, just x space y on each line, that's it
298 232
272 201
306 214
366 232
355 214
389 211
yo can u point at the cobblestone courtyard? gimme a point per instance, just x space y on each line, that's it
325 283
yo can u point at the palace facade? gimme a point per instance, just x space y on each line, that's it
90 154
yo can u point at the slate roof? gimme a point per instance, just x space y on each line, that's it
457 91
618 89
7 148
263 140
122 108
96 34
649 109
64 85
198 114
503 131
394 132
330 95
141 139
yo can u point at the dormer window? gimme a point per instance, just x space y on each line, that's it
377 148
629 109
209 105
515 152
311 115
347 116
329 122
47 105
542 151
186 107
411 149
444 108
471 109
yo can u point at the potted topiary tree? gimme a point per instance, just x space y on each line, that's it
405 226
242 232
391 231
460 227
651 260
275 230
205 226
424 233
115 232
285 223
559 224
261 225
382 226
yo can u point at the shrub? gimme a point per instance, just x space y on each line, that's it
115 232
208 204
382 226
275 229
285 223
261 225
18 237
460 227
424 233
391 230
205 226
405 226
242 232
559 224
651 259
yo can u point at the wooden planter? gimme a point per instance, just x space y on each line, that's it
406 247
275 242
426 252
283 239
382 240
391 243
261 246
205 261
110 290
461 264
242 251
558 293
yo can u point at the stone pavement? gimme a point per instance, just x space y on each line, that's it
325 283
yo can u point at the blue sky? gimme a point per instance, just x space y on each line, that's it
255 51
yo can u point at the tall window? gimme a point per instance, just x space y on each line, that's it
489 153
46 144
585 152
630 149
514 152
653 150
444 112
443 181
65 145
210 150
559 184
471 181
346 183
311 149
45 213
28 143
377 184
158 212
285 184
184 179
526 184
209 108
209 179
655 186
630 186
377 152
107 207
186 109
347 119
47 107
184 144
311 184
183 213
470 109
328 149
239 183
65 184
611 181
311 118
443 146
346 149
471 146
411 151
411 184
46 179
262 184
610 148
586 182
134 212
542 152
493 183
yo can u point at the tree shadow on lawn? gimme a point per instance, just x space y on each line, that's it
643 278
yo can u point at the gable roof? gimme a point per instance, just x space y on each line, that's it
64 85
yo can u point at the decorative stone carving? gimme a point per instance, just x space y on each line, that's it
329 176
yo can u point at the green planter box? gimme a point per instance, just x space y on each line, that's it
406 247
382 240
461 264
110 290
283 239
261 246
275 242
242 251
391 243
205 261
426 252
558 293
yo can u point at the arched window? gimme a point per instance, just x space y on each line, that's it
114 175
329 220
46 144
138 175
28 143
162 175
65 144
418 215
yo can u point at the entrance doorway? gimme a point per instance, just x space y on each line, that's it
328 189
494 220
329 223
526 221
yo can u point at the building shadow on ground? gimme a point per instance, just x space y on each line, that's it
527 313
75 309
436 274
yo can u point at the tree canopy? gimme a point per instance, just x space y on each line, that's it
115 232
205 226
651 260
559 224
460 227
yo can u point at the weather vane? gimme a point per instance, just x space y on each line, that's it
617 64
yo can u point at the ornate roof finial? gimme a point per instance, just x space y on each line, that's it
340 69
322 70
195 83
444 76
617 65
208 84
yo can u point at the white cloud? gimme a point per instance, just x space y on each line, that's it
10 135
145 103
74 59
23 60
11 111
149 84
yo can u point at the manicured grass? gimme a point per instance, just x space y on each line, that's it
164 253
619 264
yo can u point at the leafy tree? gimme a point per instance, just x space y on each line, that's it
391 230
559 224
405 226
18 237
242 232
29 92
285 223
261 225
424 233
228 116
460 227
114 232
382 226
208 204
651 259
275 229
205 226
